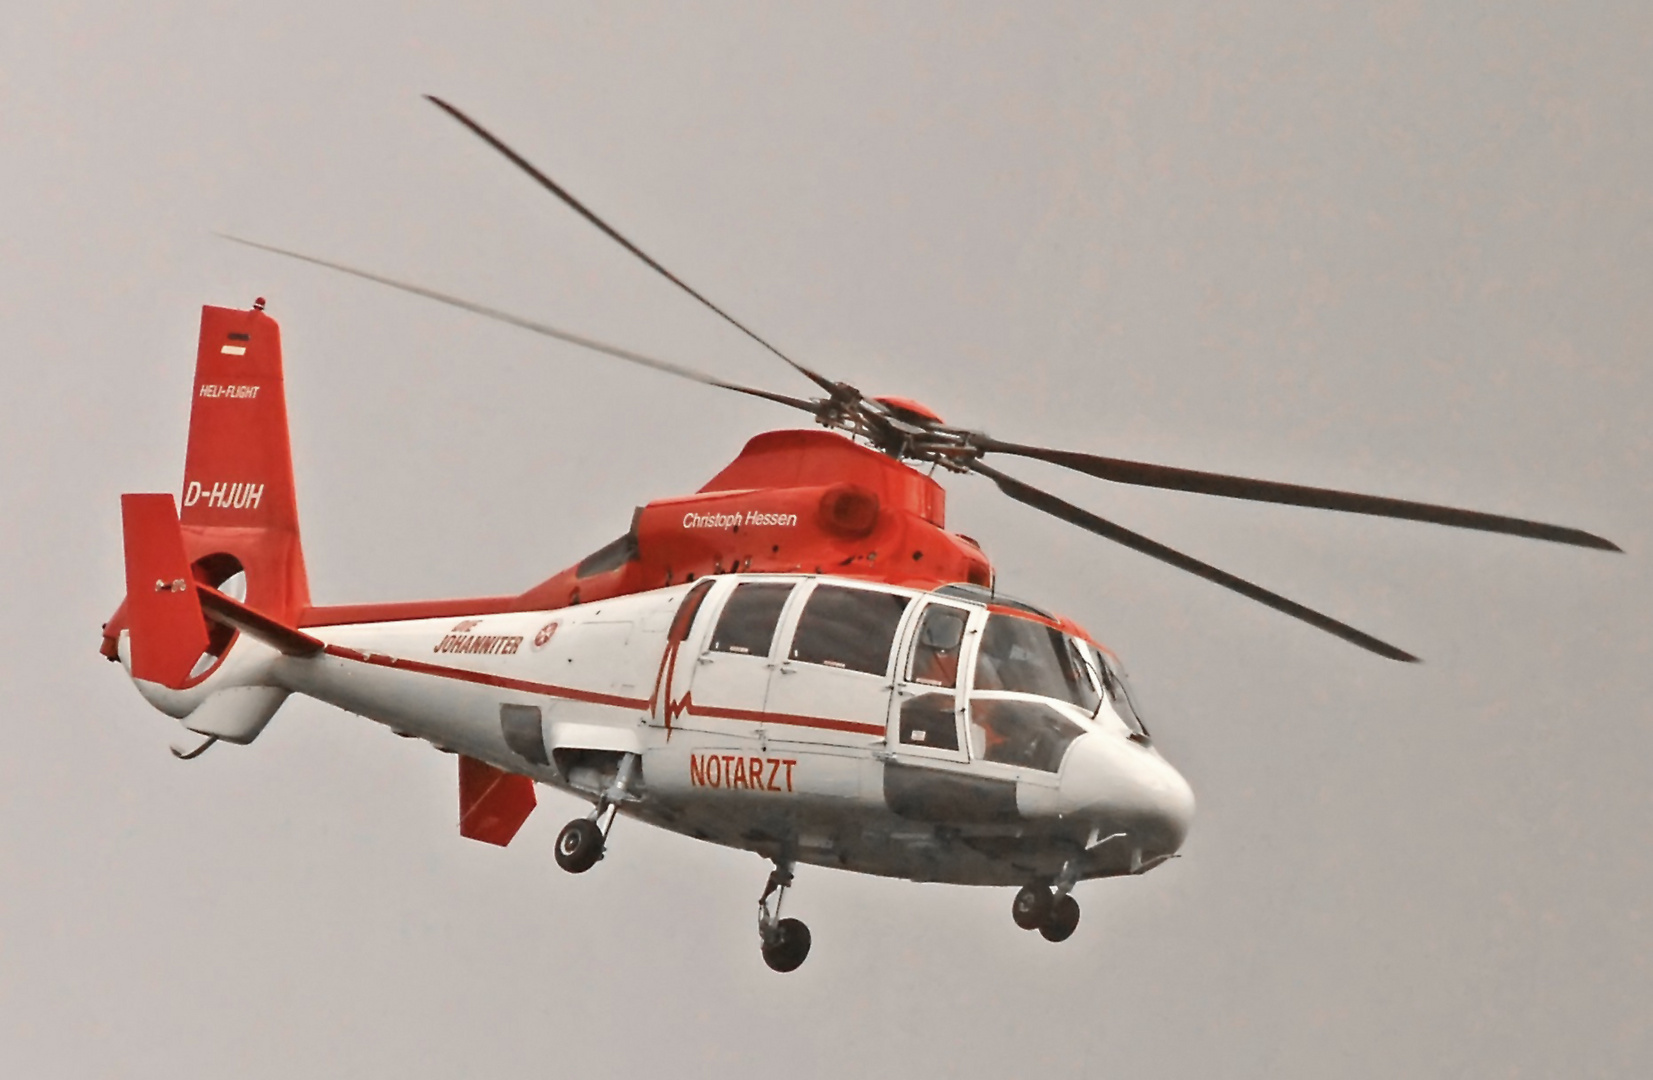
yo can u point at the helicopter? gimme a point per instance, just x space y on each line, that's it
797 660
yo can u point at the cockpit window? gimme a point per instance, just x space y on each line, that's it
1026 657
848 628
1015 731
748 622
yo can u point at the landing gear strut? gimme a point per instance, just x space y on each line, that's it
581 842
1051 911
785 942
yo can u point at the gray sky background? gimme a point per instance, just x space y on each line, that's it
1395 247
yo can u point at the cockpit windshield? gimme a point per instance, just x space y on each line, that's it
1119 691
1027 657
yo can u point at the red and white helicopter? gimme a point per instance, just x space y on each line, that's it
797 660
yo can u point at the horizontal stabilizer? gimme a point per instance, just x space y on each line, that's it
255 624
168 631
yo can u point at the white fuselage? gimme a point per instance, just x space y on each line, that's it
788 751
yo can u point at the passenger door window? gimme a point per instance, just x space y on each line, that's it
834 686
731 677
851 629
747 625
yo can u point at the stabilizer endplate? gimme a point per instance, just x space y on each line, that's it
168 629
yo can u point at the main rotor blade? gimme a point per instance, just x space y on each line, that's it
537 327
1240 487
584 211
1050 504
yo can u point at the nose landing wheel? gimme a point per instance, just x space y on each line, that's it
1062 921
1054 914
1031 907
785 942
788 945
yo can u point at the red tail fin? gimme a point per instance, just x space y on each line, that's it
239 512
168 630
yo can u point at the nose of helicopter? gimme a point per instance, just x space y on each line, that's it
1125 786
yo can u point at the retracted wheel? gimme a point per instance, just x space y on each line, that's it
1031 908
579 845
1063 920
787 945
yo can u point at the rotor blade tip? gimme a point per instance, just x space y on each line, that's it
445 107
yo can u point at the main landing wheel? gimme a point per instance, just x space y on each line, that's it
1062 921
1031 907
787 946
579 845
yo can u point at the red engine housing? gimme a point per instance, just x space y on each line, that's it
809 501
793 501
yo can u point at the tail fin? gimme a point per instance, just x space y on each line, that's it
239 511
239 516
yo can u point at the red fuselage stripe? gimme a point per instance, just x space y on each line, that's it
570 693
789 719
485 679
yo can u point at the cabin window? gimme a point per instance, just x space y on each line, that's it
929 720
749 618
853 629
683 621
935 660
1015 731
1027 657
